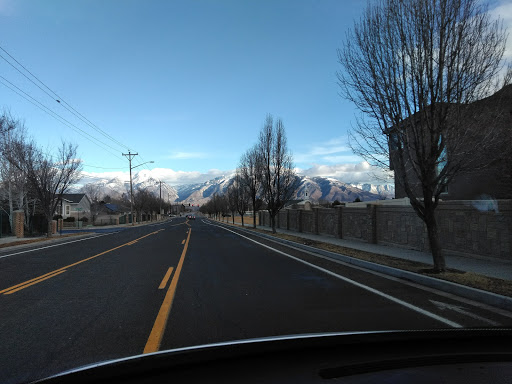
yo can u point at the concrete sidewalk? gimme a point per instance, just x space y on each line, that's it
491 267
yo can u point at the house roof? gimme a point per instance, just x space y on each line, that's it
73 197
112 207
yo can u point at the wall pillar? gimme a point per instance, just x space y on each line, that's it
18 223
54 227
372 223
60 223
339 220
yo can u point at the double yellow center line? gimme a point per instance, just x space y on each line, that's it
28 283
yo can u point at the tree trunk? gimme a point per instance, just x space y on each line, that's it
273 223
11 208
435 244
242 220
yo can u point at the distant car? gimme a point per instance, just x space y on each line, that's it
191 217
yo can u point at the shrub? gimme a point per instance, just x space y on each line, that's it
57 217
84 219
70 219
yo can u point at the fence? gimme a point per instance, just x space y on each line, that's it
464 227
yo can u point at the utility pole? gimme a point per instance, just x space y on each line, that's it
160 197
130 156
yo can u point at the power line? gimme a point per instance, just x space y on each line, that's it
56 116
58 99
95 166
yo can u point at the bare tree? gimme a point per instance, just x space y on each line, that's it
144 202
279 181
14 190
412 67
232 200
238 196
48 177
251 172
93 192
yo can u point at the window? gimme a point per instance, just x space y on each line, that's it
441 163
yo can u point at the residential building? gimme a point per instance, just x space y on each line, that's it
490 117
75 205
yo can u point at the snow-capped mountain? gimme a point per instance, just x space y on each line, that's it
318 189
202 192
329 189
116 187
386 191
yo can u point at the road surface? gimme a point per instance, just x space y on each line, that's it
182 283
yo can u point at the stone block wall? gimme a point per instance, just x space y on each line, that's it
464 227
400 225
355 224
327 222
307 221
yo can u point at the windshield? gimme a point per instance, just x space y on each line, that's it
175 174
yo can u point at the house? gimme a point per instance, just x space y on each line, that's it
490 120
108 214
75 205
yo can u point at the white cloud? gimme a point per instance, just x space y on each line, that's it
169 176
186 155
361 172
503 11
342 159
349 172
327 151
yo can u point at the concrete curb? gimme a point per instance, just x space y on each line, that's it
490 298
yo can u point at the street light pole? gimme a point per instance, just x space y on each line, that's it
130 156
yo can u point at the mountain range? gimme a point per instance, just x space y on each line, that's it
316 188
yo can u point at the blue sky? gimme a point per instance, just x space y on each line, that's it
186 84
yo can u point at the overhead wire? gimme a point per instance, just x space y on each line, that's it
57 98
65 105
56 116
95 166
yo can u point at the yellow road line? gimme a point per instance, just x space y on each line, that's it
166 278
183 242
155 337
35 280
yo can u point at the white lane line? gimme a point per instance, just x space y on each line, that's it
457 308
437 292
57 245
353 282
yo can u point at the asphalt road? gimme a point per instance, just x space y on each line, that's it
182 283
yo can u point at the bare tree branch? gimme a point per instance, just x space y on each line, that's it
413 67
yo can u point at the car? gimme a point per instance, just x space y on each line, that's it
191 217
